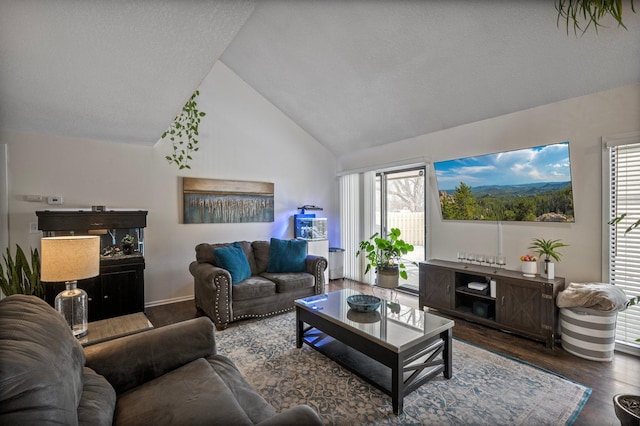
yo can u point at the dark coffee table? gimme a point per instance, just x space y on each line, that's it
395 348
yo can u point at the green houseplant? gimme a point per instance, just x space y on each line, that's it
183 133
548 249
18 277
572 12
384 255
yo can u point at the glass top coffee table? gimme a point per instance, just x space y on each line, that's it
395 348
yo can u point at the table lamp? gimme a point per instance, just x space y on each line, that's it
69 259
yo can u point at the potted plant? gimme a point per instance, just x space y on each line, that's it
384 255
548 249
20 277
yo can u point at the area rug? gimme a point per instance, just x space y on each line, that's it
486 388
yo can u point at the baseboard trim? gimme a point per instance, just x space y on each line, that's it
167 301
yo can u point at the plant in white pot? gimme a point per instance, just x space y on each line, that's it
384 256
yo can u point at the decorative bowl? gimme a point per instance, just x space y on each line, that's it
363 302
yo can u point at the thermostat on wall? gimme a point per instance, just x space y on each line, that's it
54 199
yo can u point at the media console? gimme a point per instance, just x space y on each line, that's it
522 305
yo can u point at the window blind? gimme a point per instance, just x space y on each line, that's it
624 248
350 223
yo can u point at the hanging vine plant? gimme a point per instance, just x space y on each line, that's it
589 11
183 133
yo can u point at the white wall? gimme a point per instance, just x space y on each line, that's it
581 121
242 137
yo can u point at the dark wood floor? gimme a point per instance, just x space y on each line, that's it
622 375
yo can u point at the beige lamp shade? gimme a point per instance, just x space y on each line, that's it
69 258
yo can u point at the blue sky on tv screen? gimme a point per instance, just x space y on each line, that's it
548 163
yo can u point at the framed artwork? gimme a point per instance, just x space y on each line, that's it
226 201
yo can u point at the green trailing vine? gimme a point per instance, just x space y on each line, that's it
588 11
183 133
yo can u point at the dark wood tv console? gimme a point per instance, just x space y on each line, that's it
525 306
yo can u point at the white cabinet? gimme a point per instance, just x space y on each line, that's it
320 248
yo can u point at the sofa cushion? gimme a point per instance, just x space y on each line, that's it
290 281
193 394
233 259
98 400
252 288
41 364
204 254
261 250
251 402
287 255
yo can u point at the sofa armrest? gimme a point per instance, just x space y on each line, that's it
212 290
315 265
298 415
129 361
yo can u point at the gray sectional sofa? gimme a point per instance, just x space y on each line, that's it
262 293
167 376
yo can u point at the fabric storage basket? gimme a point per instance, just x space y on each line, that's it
588 333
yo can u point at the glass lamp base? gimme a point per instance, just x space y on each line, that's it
72 305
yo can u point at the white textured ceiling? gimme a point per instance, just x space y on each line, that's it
108 70
356 74
353 74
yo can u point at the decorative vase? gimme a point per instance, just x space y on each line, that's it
127 249
529 269
72 304
548 270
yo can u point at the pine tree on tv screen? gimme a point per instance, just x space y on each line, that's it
532 184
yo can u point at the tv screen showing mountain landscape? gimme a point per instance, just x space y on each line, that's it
532 184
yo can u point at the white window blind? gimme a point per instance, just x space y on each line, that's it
624 248
350 223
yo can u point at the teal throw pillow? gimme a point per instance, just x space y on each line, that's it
233 259
287 255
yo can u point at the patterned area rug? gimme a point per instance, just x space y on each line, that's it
486 388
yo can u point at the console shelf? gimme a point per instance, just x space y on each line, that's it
523 305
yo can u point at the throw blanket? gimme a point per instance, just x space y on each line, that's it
598 296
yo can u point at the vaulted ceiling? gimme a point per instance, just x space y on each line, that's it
353 74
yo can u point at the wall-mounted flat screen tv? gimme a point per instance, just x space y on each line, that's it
532 184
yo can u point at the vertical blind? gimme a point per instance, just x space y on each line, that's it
624 248
350 223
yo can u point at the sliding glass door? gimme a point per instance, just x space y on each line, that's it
400 203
